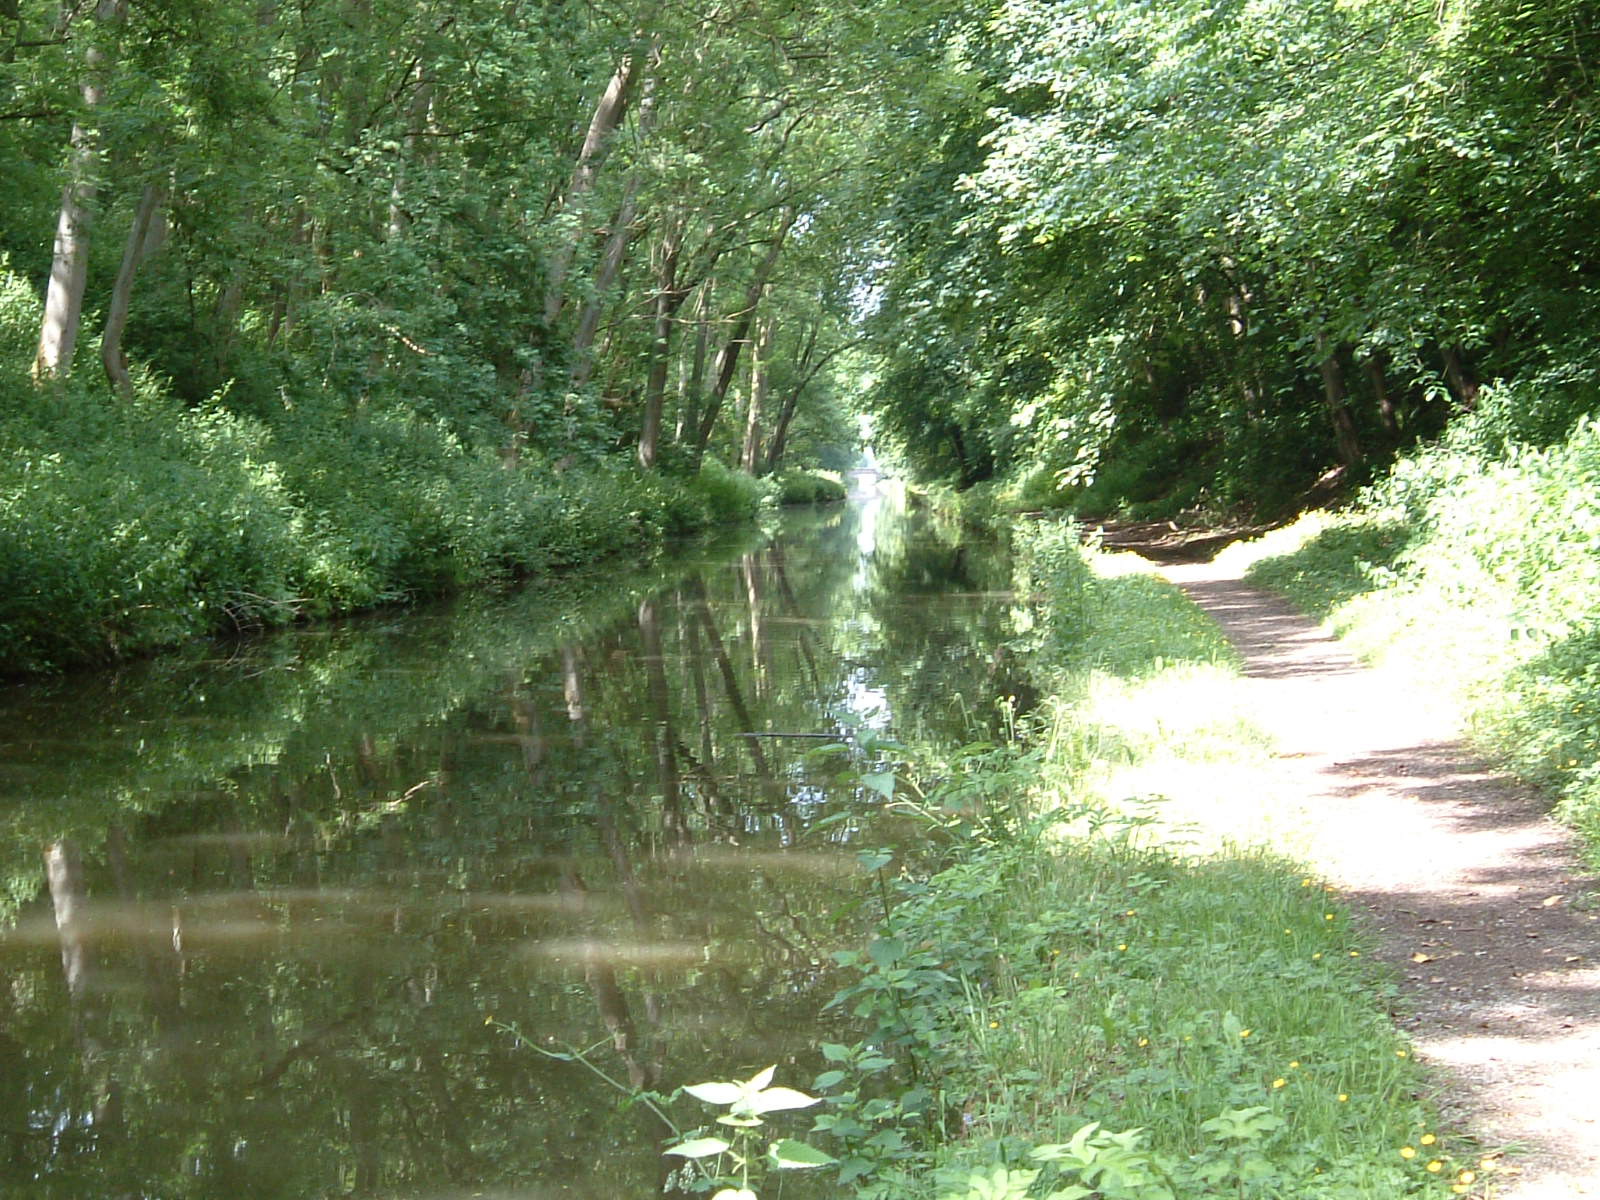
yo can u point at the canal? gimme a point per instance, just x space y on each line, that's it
295 916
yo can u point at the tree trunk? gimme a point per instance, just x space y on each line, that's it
1460 377
728 357
759 376
605 277
809 366
688 427
667 301
1337 404
1380 392
144 237
69 266
607 118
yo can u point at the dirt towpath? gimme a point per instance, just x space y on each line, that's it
1476 898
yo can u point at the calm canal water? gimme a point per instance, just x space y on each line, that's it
259 903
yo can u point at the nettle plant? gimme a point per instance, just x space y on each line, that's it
736 1163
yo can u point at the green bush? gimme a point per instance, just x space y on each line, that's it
809 487
130 525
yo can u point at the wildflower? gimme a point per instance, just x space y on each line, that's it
1408 1151
1294 1065
1327 916
1317 955
994 1024
1401 1054
1428 1139
1279 1082
1459 1189
1435 1166
1144 1041
1465 1177
1344 1097
1122 945
1246 1032
1355 954
1305 883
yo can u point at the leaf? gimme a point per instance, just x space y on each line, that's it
790 1155
698 1148
834 1052
881 782
872 860
779 1099
759 1080
715 1093
886 951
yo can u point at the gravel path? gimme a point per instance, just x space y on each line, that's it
1477 899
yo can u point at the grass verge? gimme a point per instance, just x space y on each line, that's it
1479 565
1077 1001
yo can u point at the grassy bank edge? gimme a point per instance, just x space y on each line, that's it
1076 1002
129 526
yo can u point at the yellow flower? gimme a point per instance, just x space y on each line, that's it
994 1024
1294 1065
1408 1151
1246 1032
1459 1189
1279 1082
1465 1177
1428 1139
1144 1041
1317 955
1122 945
1305 883
1401 1054
1344 1097
1435 1166
1355 954
1327 916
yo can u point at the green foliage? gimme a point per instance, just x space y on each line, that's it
311 510
1061 291
809 487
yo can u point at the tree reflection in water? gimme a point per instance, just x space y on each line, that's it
285 882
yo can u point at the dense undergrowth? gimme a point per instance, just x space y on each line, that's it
1076 1002
1479 556
128 524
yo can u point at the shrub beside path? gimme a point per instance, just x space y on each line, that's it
1476 898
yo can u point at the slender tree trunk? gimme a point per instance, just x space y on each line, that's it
688 427
1380 392
607 119
809 366
1337 403
143 239
728 358
760 374
610 267
69 266
1460 377
668 298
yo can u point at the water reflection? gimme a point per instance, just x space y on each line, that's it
283 886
